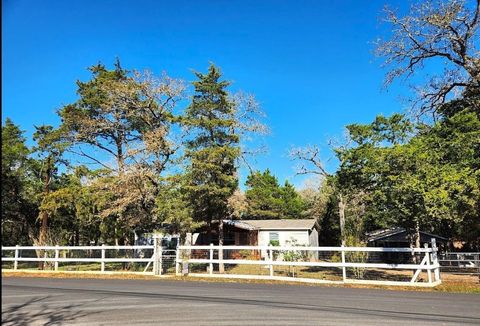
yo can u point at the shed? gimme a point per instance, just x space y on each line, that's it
400 237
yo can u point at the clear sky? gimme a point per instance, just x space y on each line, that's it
309 63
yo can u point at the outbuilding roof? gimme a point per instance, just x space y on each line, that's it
273 224
387 233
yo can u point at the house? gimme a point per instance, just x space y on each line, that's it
262 232
399 237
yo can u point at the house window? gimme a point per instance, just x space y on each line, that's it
274 236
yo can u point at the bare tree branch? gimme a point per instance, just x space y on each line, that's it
434 29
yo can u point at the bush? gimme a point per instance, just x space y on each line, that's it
356 256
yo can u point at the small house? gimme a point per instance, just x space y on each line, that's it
301 232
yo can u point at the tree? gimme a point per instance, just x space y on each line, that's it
264 196
127 117
50 148
73 208
212 150
425 181
19 210
435 31
266 199
311 163
238 205
293 205
174 209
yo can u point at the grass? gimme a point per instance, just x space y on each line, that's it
450 284
82 267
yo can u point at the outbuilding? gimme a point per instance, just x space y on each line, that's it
400 237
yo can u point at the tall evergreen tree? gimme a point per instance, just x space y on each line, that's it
266 199
213 149
293 205
263 196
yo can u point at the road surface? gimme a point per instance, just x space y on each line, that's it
55 301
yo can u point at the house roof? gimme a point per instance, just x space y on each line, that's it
386 233
273 224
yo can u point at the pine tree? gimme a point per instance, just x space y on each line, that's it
213 149
266 199
264 196
293 205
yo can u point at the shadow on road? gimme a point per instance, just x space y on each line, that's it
313 306
35 312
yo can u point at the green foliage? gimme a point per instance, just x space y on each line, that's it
213 148
395 173
293 255
19 209
292 204
356 256
266 199
274 243
173 208
328 219
431 180
73 208
263 196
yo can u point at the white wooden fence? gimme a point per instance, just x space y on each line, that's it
272 256
460 262
95 254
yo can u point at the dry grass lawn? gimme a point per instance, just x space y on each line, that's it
450 282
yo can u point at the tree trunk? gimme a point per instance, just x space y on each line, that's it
43 215
221 267
341 214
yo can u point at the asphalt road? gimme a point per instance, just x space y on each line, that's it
39 301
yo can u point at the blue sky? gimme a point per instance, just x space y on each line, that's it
309 63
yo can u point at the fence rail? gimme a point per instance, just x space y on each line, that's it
144 254
372 265
460 262
356 259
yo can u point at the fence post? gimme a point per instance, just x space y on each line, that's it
157 255
57 255
435 260
154 268
344 269
221 266
45 256
177 261
103 258
15 263
270 256
478 263
210 266
429 271
160 259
